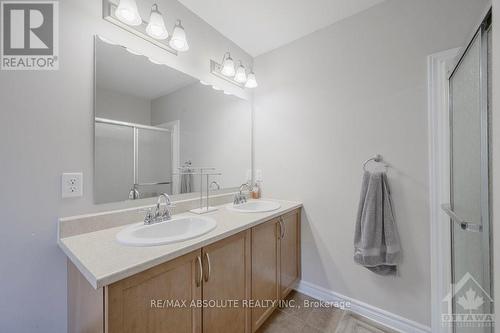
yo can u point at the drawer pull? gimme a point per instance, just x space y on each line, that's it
207 276
200 276
282 227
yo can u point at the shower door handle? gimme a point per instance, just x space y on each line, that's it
467 226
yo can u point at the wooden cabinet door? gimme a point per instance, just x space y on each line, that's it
132 304
226 268
264 271
289 252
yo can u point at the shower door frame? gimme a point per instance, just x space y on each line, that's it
439 67
439 187
480 35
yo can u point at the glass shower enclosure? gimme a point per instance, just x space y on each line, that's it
144 154
470 301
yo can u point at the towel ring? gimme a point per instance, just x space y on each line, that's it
376 158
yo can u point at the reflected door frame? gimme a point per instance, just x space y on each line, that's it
438 67
174 127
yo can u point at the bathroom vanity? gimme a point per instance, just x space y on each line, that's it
226 269
222 281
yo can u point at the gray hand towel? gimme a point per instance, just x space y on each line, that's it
186 182
376 240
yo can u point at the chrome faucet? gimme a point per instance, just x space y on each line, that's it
160 215
215 185
240 198
134 193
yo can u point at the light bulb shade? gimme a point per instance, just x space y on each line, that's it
251 81
228 66
241 74
178 41
127 12
156 26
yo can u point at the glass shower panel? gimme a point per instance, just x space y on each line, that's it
469 189
114 145
154 162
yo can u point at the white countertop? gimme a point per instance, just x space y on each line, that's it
102 260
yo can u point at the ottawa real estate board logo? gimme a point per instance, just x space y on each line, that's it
29 35
469 306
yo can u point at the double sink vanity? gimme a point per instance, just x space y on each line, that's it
207 263
219 272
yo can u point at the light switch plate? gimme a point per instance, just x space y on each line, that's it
72 185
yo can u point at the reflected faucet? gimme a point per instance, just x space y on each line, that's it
134 193
215 185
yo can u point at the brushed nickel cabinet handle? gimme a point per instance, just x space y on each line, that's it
207 276
282 228
200 276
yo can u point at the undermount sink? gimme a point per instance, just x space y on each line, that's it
255 206
167 232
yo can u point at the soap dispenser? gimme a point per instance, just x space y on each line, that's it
256 191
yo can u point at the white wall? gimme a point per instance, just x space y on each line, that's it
336 97
46 128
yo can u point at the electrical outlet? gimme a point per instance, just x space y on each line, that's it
72 185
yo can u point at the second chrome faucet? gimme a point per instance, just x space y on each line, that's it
240 198
159 214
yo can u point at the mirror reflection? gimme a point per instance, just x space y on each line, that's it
156 128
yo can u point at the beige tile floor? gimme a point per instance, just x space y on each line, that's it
301 319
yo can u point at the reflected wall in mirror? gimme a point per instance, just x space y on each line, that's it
156 126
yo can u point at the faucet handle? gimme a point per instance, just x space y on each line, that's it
149 215
239 198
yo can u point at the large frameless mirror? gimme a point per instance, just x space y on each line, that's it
156 128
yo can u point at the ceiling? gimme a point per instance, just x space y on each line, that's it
260 26
120 71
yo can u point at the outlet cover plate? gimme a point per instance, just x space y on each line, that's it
72 185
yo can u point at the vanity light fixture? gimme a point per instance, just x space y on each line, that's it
156 26
124 13
216 88
238 77
178 40
204 83
228 65
241 74
251 81
127 12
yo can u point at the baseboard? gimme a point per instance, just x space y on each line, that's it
380 316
